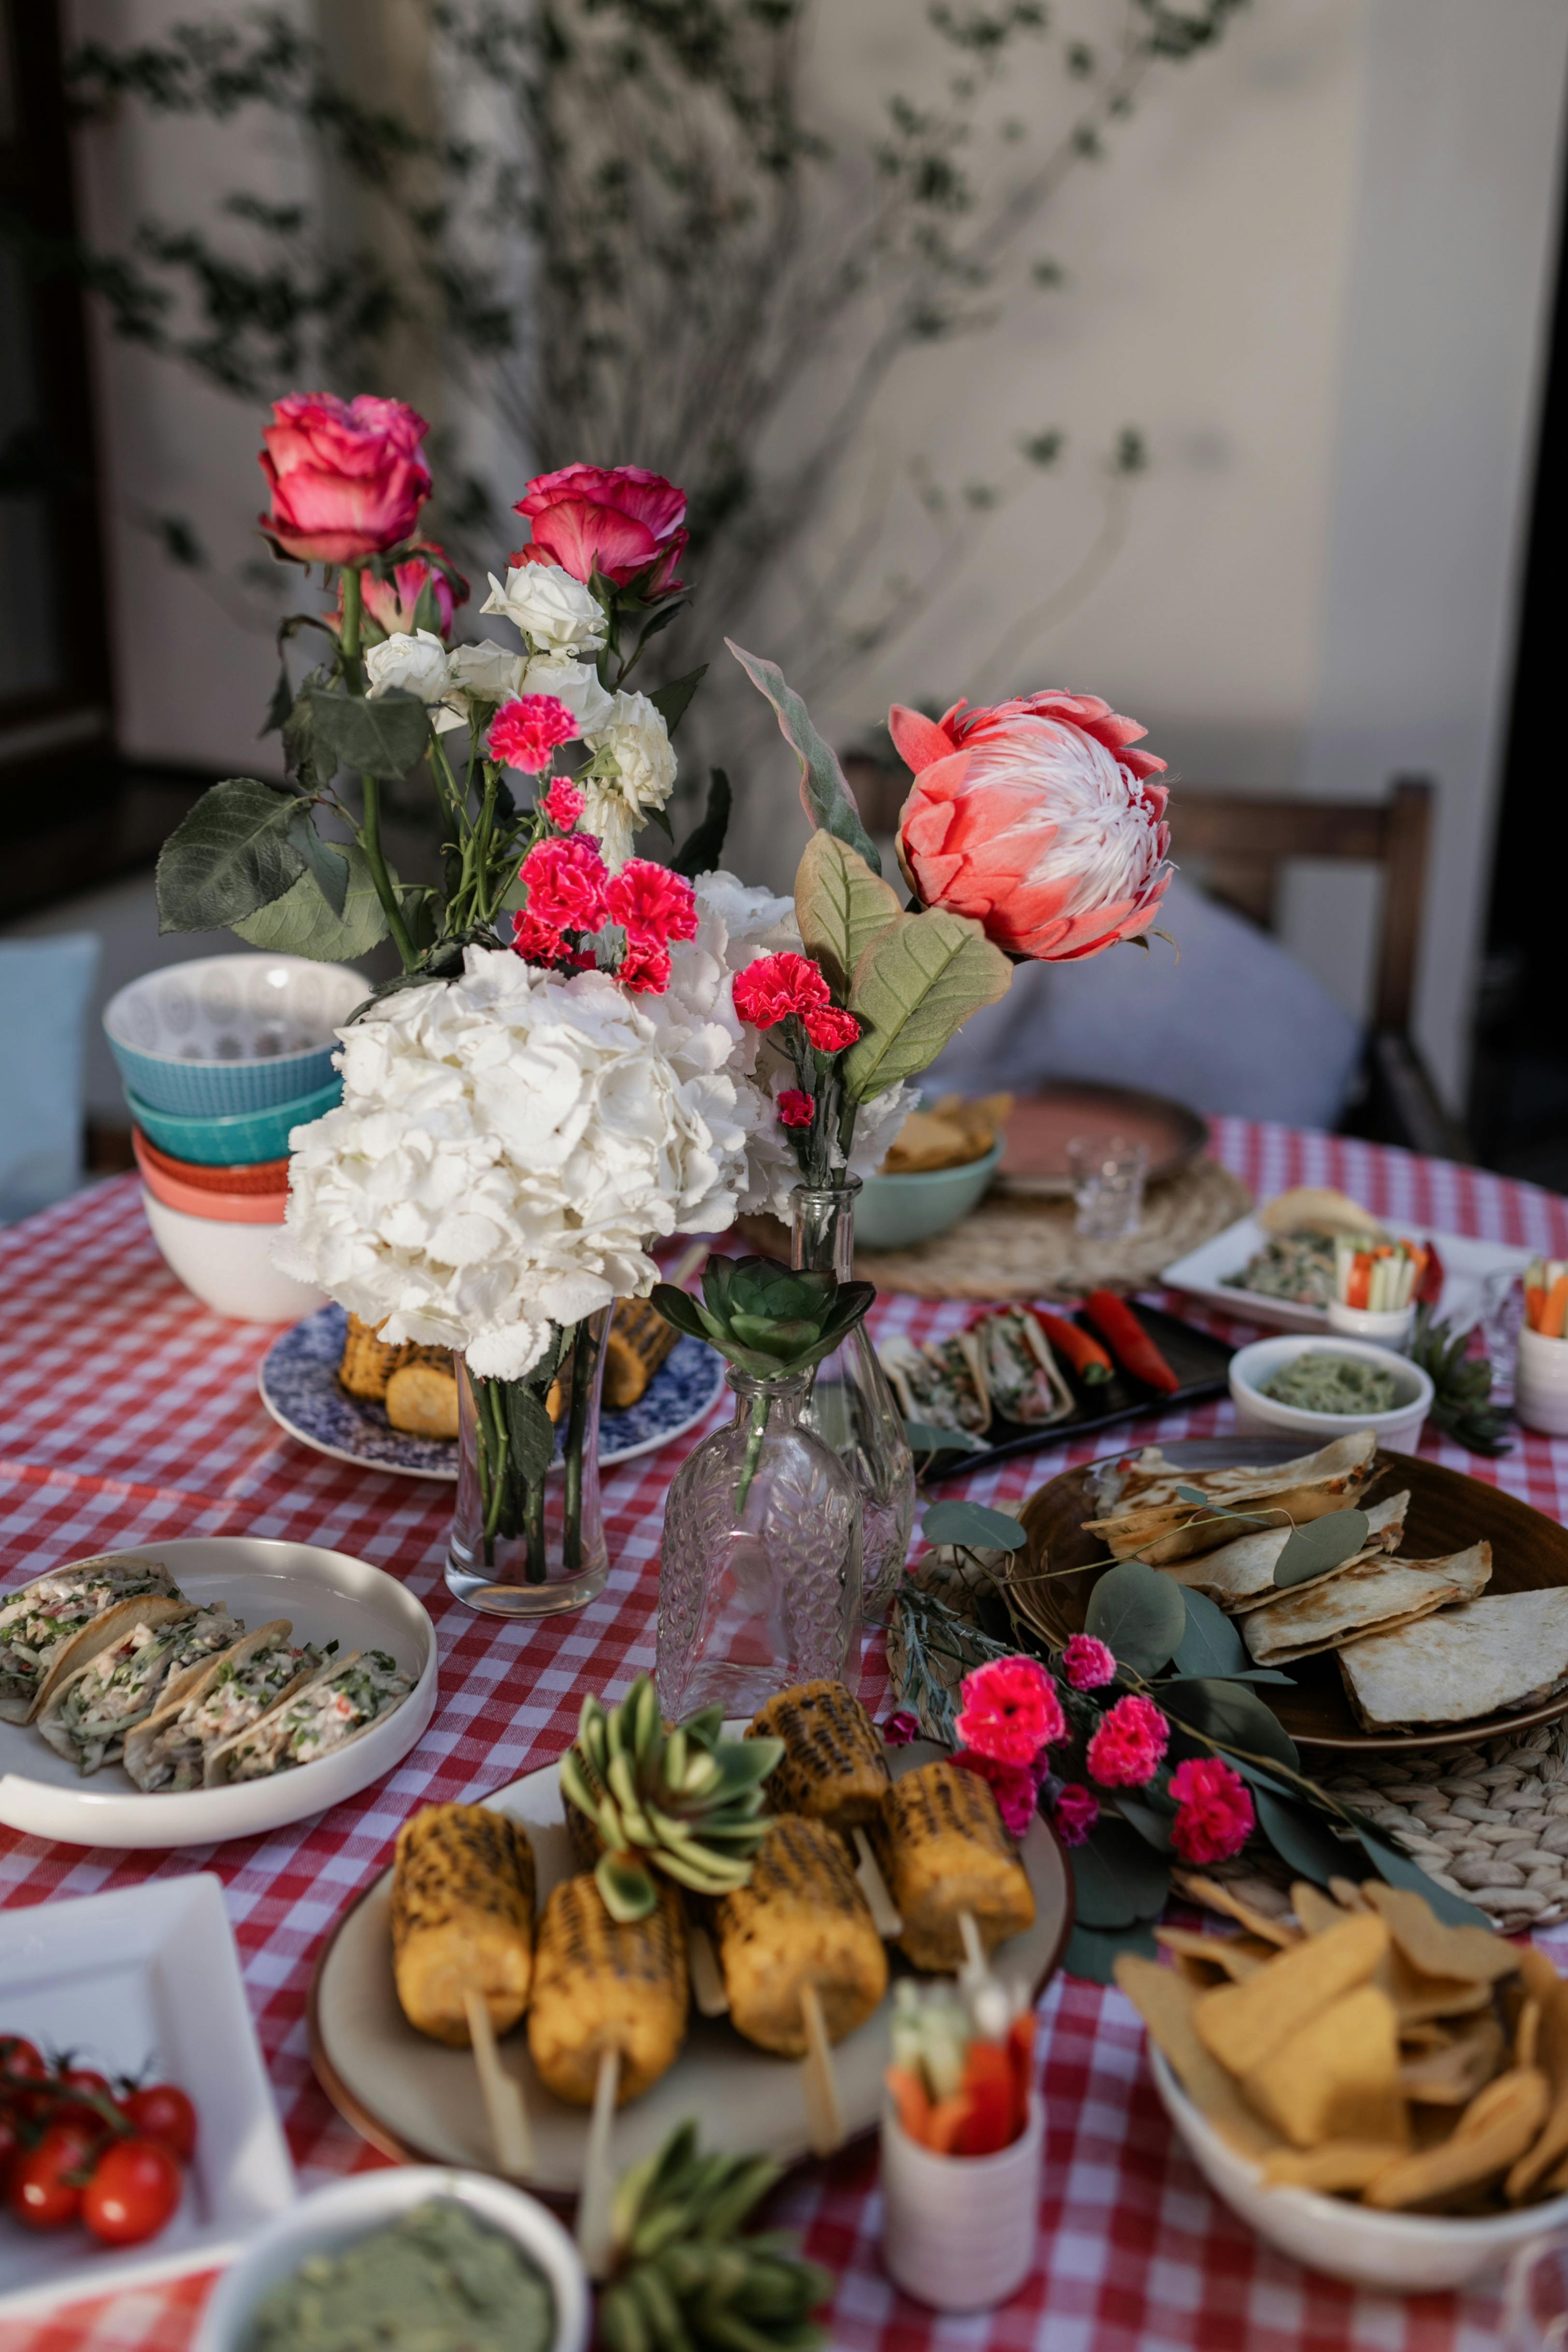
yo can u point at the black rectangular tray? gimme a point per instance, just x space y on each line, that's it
1200 1362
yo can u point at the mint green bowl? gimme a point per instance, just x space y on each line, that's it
894 1212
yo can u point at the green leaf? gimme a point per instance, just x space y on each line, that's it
914 988
1152 1822
1116 1878
387 736
1400 1870
626 1886
704 845
1093 1952
972 1523
1211 1644
924 1437
679 1307
301 922
229 856
823 794
530 1429
326 862
840 905
1228 1712
1322 1544
670 700
1137 1613
1302 1838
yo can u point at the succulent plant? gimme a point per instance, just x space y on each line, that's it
682 2278
686 1803
768 1319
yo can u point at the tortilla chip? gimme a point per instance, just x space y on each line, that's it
1236 1956
1451 2075
1214 1896
1438 1950
1541 1978
1241 2024
1337 2077
1165 2003
1505 1650
1314 1909
1348 1895
1526 2033
1375 1595
1496 2127
1336 2166
1552 2044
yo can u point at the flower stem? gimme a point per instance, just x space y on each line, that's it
353 608
535 1570
583 1356
370 842
754 1435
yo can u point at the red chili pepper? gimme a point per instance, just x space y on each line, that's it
1021 2058
1081 1349
988 2088
1129 1342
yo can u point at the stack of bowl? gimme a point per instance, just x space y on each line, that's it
221 1060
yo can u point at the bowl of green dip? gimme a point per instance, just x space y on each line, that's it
1318 1389
417 2259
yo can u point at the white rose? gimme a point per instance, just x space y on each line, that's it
606 816
575 683
412 664
488 672
556 613
637 739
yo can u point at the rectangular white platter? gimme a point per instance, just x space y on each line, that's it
1467 1263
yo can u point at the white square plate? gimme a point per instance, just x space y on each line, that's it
146 1980
1466 1267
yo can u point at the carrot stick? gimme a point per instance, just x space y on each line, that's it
1129 1342
1555 1314
1081 1349
948 2117
913 2103
1534 1305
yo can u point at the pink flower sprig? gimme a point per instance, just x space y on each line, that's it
795 1108
572 897
1088 1663
563 804
1214 1813
1010 1711
1130 1745
524 733
775 986
1015 1787
1075 1814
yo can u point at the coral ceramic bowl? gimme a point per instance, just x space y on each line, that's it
1399 1427
229 1267
241 1139
205 1201
231 1034
257 1176
894 1212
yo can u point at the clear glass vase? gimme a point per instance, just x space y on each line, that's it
759 1579
850 1404
528 1545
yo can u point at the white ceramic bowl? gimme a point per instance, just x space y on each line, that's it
1390 1328
1540 1383
1400 1427
351 2210
1401 2253
229 1267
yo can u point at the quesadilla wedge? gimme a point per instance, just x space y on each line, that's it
938 1381
1375 1598
1490 1656
1286 1495
61 1621
152 1664
338 1703
1017 1367
1240 1575
174 1746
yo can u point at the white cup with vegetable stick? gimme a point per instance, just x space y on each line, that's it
1540 1378
1375 1284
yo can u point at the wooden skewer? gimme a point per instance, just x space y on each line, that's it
508 2116
706 1983
687 1264
975 1961
598 2183
823 2111
874 1888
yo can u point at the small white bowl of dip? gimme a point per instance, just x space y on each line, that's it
1399 1427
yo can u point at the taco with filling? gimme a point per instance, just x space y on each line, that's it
153 1662
1017 1367
173 1748
337 1705
938 1382
59 1622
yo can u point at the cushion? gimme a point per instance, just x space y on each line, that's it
45 988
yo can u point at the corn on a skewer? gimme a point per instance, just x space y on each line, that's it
462 1918
368 1362
800 1921
639 1339
600 1984
944 1851
833 1769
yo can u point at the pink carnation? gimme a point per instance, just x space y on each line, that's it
1010 1710
795 1109
654 906
1088 1663
566 882
899 1728
564 803
1015 1787
1132 1737
524 733
776 985
830 1030
1075 1814
1215 1816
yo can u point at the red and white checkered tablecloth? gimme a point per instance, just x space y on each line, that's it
127 1414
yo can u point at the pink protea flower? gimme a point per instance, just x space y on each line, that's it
566 883
1075 1814
1010 1710
1036 818
1215 1815
564 803
900 1727
1088 1663
617 519
830 1030
776 985
1126 1750
348 477
795 1109
524 733
1015 1787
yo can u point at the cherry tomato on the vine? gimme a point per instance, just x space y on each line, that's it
164 2113
22 2062
83 2078
37 2193
134 2189
10 2141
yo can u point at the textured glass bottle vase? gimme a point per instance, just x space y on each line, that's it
522 1546
850 1404
759 1579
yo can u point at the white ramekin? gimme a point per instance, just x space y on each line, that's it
1540 1383
1399 1427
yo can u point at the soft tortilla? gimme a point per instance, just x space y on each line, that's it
1240 1575
142 1737
1505 1650
1376 1597
1289 1495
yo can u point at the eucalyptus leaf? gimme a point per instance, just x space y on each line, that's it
1116 1878
1230 1712
1400 1870
301 922
704 845
1302 1838
823 794
1319 1546
924 1437
327 862
914 987
1139 1614
1093 1952
386 736
1211 1644
1152 1822
670 700
229 856
840 905
973 1524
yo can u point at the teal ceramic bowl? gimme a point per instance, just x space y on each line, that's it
894 1212
242 1137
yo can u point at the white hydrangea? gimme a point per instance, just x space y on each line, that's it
556 613
508 1145
635 760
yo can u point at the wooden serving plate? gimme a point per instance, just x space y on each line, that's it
1447 1512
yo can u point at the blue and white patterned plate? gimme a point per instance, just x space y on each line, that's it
299 1387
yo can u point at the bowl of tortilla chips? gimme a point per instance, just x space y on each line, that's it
938 1166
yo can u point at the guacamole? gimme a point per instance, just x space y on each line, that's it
1316 1382
439 2280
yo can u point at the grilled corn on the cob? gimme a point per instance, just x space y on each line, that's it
942 1850
833 1767
462 1918
639 1339
599 1985
801 1920
368 1362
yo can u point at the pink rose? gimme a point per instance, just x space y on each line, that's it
391 605
619 520
348 477
1075 1814
1037 819
1126 1750
1088 1663
524 734
1010 1710
1215 1816
1015 1787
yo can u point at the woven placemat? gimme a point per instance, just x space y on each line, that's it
1028 1249
1490 1823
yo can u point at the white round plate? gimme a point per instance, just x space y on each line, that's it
326 1596
300 1387
416 2100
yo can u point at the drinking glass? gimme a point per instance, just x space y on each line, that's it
1108 1174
